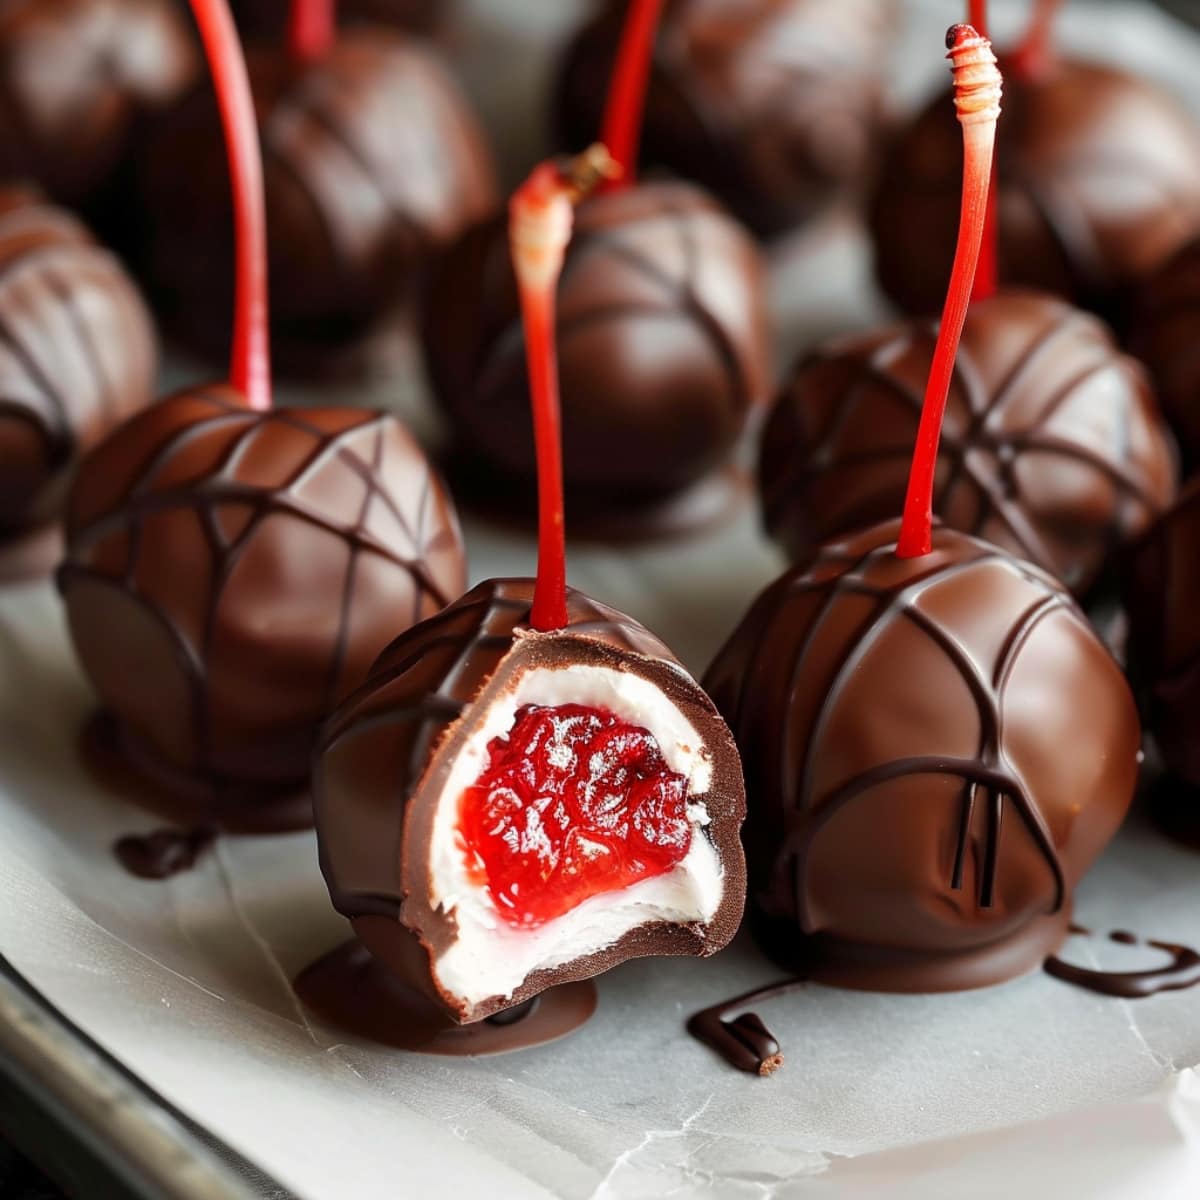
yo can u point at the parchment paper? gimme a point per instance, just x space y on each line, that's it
1046 1089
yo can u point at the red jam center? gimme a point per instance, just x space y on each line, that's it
574 802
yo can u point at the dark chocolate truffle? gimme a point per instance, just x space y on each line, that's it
77 354
1099 182
268 19
397 758
774 105
1166 337
1162 597
232 574
936 749
371 157
77 79
1052 445
663 346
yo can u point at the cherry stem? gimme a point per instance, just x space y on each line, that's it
987 270
622 129
250 357
977 101
311 29
541 215
1034 55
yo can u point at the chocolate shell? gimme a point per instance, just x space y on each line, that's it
1099 182
936 750
663 346
231 575
773 105
77 80
77 354
268 19
1162 598
1052 445
1166 337
386 756
372 158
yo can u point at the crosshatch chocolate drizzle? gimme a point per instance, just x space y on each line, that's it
981 445
235 489
1181 970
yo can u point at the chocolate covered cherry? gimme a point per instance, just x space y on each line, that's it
936 749
501 809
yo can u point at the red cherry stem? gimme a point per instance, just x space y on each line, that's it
622 129
540 217
987 270
250 358
311 29
977 100
1034 55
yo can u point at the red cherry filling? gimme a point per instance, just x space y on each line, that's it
574 802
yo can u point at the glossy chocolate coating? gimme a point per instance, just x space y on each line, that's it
372 158
77 80
773 105
663 345
1166 337
385 754
77 354
268 19
936 749
1052 445
1099 182
231 575
1162 598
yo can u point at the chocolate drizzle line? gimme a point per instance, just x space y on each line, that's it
998 494
989 770
163 853
219 488
744 1042
1181 970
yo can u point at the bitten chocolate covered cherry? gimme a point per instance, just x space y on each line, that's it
529 788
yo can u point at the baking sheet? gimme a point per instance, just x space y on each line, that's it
187 981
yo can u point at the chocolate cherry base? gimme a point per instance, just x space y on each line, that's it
1162 594
1092 196
775 106
936 750
77 356
230 575
1052 445
663 347
372 158
395 760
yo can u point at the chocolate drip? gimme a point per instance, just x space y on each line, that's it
744 1042
1031 377
163 853
350 990
1182 970
260 561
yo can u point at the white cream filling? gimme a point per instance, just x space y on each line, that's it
491 958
